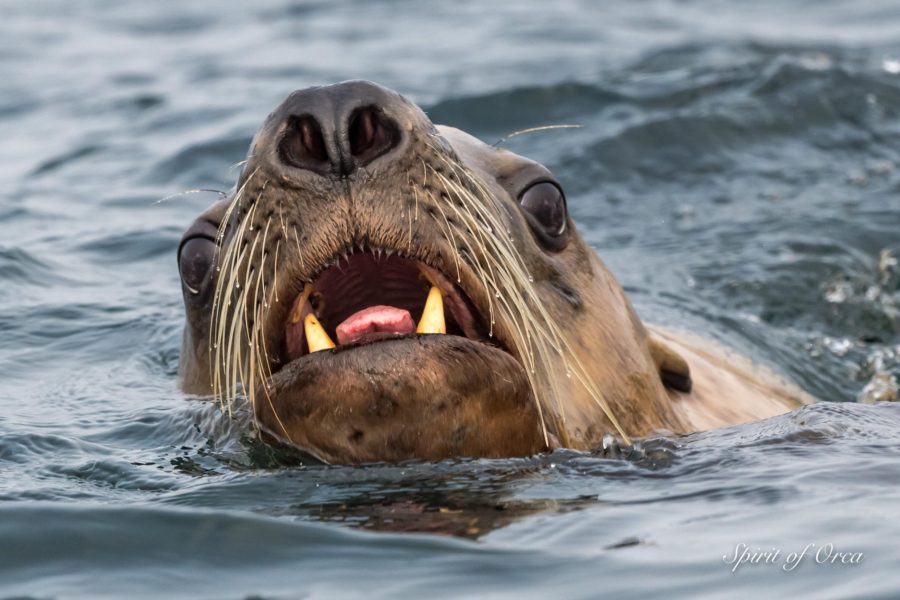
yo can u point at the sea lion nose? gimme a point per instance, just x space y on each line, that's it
337 129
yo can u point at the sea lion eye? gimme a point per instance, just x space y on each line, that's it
545 205
195 260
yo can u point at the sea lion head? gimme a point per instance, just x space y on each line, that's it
383 288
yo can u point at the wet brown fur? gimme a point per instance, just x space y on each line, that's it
601 371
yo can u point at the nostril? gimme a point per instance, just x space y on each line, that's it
303 145
362 131
371 134
311 138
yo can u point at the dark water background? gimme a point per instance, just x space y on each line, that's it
738 169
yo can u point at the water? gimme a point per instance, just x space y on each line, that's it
738 168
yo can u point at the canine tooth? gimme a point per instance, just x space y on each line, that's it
432 320
316 337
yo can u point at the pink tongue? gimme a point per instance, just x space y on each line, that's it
375 319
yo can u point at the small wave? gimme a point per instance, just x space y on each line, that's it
19 266
134 246
65 159
202 163
505 111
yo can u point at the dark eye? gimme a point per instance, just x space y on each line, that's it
195 260
545 204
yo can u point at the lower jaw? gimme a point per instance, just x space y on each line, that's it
423 397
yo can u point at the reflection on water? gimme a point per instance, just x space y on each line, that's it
737 168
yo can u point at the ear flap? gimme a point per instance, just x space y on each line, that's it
673 369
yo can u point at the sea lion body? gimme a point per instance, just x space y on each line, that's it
351 206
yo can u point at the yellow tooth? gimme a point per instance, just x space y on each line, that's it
301 302
316 337
432 320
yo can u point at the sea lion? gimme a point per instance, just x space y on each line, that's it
383 289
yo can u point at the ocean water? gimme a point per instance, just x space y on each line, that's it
738 168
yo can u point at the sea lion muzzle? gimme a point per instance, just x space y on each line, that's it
343 312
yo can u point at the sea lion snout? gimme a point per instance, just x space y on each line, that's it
335 130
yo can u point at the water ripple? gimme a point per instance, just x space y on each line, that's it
736 168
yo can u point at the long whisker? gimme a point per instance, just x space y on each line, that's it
533 130
189 192
226 283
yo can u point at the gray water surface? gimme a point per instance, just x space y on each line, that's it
738 169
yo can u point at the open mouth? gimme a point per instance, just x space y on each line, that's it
373 295
381 356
